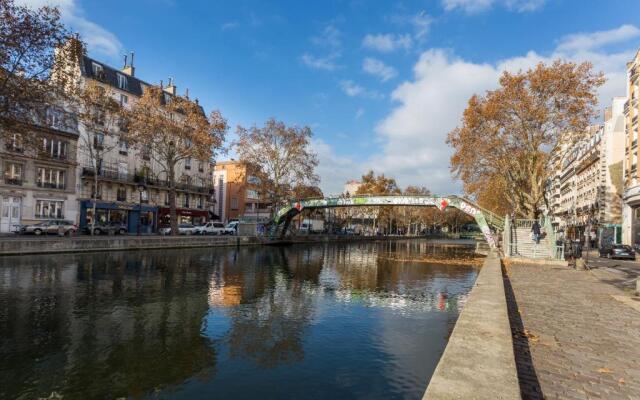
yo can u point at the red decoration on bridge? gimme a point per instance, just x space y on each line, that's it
443 204
298 206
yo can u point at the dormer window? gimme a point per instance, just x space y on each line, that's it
122 82
97 70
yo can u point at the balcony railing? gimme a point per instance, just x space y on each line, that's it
51 185
13 181
136 177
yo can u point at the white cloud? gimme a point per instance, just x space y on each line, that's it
324 63
475 6
420 24
229 25
359 113
330 37
430 105
98 39
379 69
352 89
334 170
387 42
330 41
595 40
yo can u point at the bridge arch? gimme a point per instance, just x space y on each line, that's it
484 218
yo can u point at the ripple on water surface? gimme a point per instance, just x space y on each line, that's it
327 321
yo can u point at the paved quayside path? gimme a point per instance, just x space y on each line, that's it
583 343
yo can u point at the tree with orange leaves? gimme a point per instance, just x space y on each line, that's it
172 129
508 134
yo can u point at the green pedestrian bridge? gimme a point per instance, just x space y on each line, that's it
490 224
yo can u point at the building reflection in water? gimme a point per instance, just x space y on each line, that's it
168 323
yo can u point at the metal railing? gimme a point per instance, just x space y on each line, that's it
115 175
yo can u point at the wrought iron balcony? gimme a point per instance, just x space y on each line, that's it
113 174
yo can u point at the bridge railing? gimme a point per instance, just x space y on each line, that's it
492 218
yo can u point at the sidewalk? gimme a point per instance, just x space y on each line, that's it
572 339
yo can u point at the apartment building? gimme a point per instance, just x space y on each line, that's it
133 188
575 192
631 207
38 169
236 193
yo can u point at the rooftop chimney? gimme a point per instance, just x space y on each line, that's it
171 87
129 69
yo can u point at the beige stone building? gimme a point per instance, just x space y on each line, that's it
631 208
133 188
575 192
38 181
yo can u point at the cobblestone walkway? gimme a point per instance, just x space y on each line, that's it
572 339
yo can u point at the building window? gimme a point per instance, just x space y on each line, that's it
55 118
234 203
187 163
124 99
122 193
200 202
200 166
14 143
96 195
55 148
145 152
98 140
123 147
252 194
122 81
13 174
185 200
97 70
166 199
50 178
49 209
144 196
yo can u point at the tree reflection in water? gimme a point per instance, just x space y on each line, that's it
134 324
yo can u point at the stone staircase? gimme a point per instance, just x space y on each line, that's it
523 246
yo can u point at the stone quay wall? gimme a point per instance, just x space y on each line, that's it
478 362
54 244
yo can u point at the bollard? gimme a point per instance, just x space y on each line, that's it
638 286
580 265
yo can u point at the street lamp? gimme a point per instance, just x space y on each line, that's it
141 188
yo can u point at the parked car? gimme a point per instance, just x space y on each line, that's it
211 228
232 228
183 229
618 251
55 226
110 228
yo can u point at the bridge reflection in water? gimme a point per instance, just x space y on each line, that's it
335 321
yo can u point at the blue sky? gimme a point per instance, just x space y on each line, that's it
380 82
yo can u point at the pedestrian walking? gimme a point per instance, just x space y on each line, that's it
535 229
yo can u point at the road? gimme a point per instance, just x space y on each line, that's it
621 273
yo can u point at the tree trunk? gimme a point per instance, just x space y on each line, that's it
173 214
94 196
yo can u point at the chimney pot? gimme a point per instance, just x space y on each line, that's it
129 69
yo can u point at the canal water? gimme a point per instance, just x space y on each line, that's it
336 321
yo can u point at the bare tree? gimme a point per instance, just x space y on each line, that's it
103 130
28 40
279 157
173 129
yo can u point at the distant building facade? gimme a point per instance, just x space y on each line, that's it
631 210
575 191
133 189
237 196
38 179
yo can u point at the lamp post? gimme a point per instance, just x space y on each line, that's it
141 189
